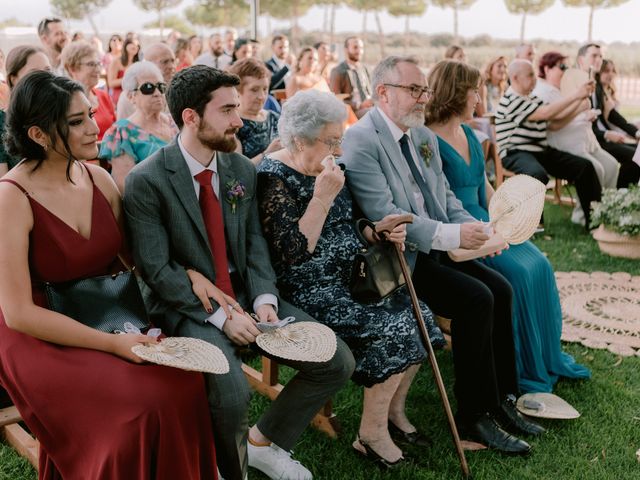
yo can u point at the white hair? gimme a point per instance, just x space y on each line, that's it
306 113
130 79
386 71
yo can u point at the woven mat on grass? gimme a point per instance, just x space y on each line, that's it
601 310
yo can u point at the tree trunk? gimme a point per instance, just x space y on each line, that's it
94 27
325 19
381 38
406 33
161 23
364 23
455 25
522 24
333 24
269 29
294 26
590 31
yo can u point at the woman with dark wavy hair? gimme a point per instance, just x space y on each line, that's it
97 411
537 318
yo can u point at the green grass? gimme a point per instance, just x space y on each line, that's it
600 445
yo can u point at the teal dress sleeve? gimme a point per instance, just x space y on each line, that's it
119 140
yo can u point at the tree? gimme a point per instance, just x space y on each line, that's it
593 5
173 22
218 13
408 9
329 21
79 9
158 6
12 22
375 6
287 9
527 7
456 5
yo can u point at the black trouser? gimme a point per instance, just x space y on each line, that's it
629 170
561 165
477 299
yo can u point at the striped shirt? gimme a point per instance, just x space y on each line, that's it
513 130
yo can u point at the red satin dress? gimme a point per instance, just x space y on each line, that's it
96 415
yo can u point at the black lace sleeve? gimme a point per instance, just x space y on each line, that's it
279 215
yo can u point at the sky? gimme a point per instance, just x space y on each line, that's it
484 17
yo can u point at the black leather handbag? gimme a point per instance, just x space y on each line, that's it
376 272
105 303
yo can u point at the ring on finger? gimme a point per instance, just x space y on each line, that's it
236 306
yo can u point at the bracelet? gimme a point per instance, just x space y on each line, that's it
324 207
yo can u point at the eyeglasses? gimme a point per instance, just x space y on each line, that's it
332 143
562 66
416 91
147 88
91 64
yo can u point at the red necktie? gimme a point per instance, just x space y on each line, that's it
212 216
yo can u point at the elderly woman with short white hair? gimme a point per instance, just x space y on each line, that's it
307 218
130 140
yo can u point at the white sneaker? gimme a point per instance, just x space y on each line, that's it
276 463
577 216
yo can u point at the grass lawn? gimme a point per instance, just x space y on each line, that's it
600 445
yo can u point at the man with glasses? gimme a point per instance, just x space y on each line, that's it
393 166
352 77
54 37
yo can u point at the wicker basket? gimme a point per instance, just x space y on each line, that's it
617 245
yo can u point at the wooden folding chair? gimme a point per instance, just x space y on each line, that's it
18 437
267 383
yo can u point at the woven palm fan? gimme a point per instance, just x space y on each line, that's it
516 207
184 353
301 341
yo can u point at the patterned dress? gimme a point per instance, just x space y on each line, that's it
255 137
383 336
127 137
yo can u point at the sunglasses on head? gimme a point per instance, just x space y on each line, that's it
562 66
147 88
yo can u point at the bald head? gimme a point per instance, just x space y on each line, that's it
526 51
522 76
163 57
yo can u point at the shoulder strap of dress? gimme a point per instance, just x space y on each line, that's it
88 171
22 189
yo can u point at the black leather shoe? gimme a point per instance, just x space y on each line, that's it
511 419
486 431
416 438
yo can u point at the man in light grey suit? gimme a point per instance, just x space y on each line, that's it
184 241
393 166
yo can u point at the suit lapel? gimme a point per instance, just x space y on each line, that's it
182 183
428 173
225 171
392 149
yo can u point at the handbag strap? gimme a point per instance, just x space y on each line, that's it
125 264
361 224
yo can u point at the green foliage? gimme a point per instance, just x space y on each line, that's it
173 22
217 13
455 4
77 9
12 22
156 5
410 8
529 7
619 210
594 3
285 9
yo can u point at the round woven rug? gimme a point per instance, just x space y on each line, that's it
601 310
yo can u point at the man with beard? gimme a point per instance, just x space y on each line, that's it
393 166
215 58
207 265
54 38
352 77
277 64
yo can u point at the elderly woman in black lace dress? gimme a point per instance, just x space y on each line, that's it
307 217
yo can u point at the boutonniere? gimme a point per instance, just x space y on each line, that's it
426 152
235 191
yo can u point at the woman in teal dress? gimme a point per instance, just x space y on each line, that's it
537 316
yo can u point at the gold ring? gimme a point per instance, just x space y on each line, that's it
235 305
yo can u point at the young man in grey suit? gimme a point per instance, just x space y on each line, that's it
393 166
184 241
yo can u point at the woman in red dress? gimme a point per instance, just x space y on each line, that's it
81 60
97 410
115 72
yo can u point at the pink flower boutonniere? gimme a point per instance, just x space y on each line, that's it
426 152
235 191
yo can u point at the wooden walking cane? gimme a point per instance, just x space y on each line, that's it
385 228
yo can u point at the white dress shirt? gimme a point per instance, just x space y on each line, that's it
447 235
195 167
